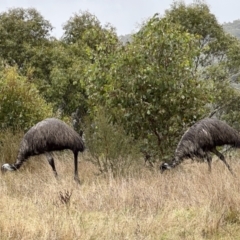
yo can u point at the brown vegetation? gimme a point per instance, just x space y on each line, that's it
186 203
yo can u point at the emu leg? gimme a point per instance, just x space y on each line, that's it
51 162
209 161
19 163
76 177
221 157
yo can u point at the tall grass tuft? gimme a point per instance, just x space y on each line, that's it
9 144
111 150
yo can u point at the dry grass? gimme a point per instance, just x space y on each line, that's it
186 203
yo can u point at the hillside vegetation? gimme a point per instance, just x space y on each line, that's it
178 68
233 28
133 102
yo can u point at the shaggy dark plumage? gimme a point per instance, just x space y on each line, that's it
201 139
46 136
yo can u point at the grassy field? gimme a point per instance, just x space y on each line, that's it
186 203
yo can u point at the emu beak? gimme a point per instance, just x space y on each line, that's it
7 167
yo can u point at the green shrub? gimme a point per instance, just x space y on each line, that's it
21 105
111 150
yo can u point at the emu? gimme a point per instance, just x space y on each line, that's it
201 139
46 136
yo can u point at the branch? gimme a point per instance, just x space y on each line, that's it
221 107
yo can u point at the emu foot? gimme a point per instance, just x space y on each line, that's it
76 178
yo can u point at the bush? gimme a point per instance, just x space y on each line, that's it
111 150
21 105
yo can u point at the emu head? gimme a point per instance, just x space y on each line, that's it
8 167
164 166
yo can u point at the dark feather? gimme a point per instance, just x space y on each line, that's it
46 136
203 137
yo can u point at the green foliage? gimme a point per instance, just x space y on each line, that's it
225 104
22 30
150 87
112 151
218 60
197 19
84 39
25 42
175 70
85 29
79 27
20 103
98 75
65 88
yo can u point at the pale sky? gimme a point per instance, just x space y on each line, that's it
124 15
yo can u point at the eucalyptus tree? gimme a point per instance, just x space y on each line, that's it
26 42
21 104
84 40
23 31
218 59
149 86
